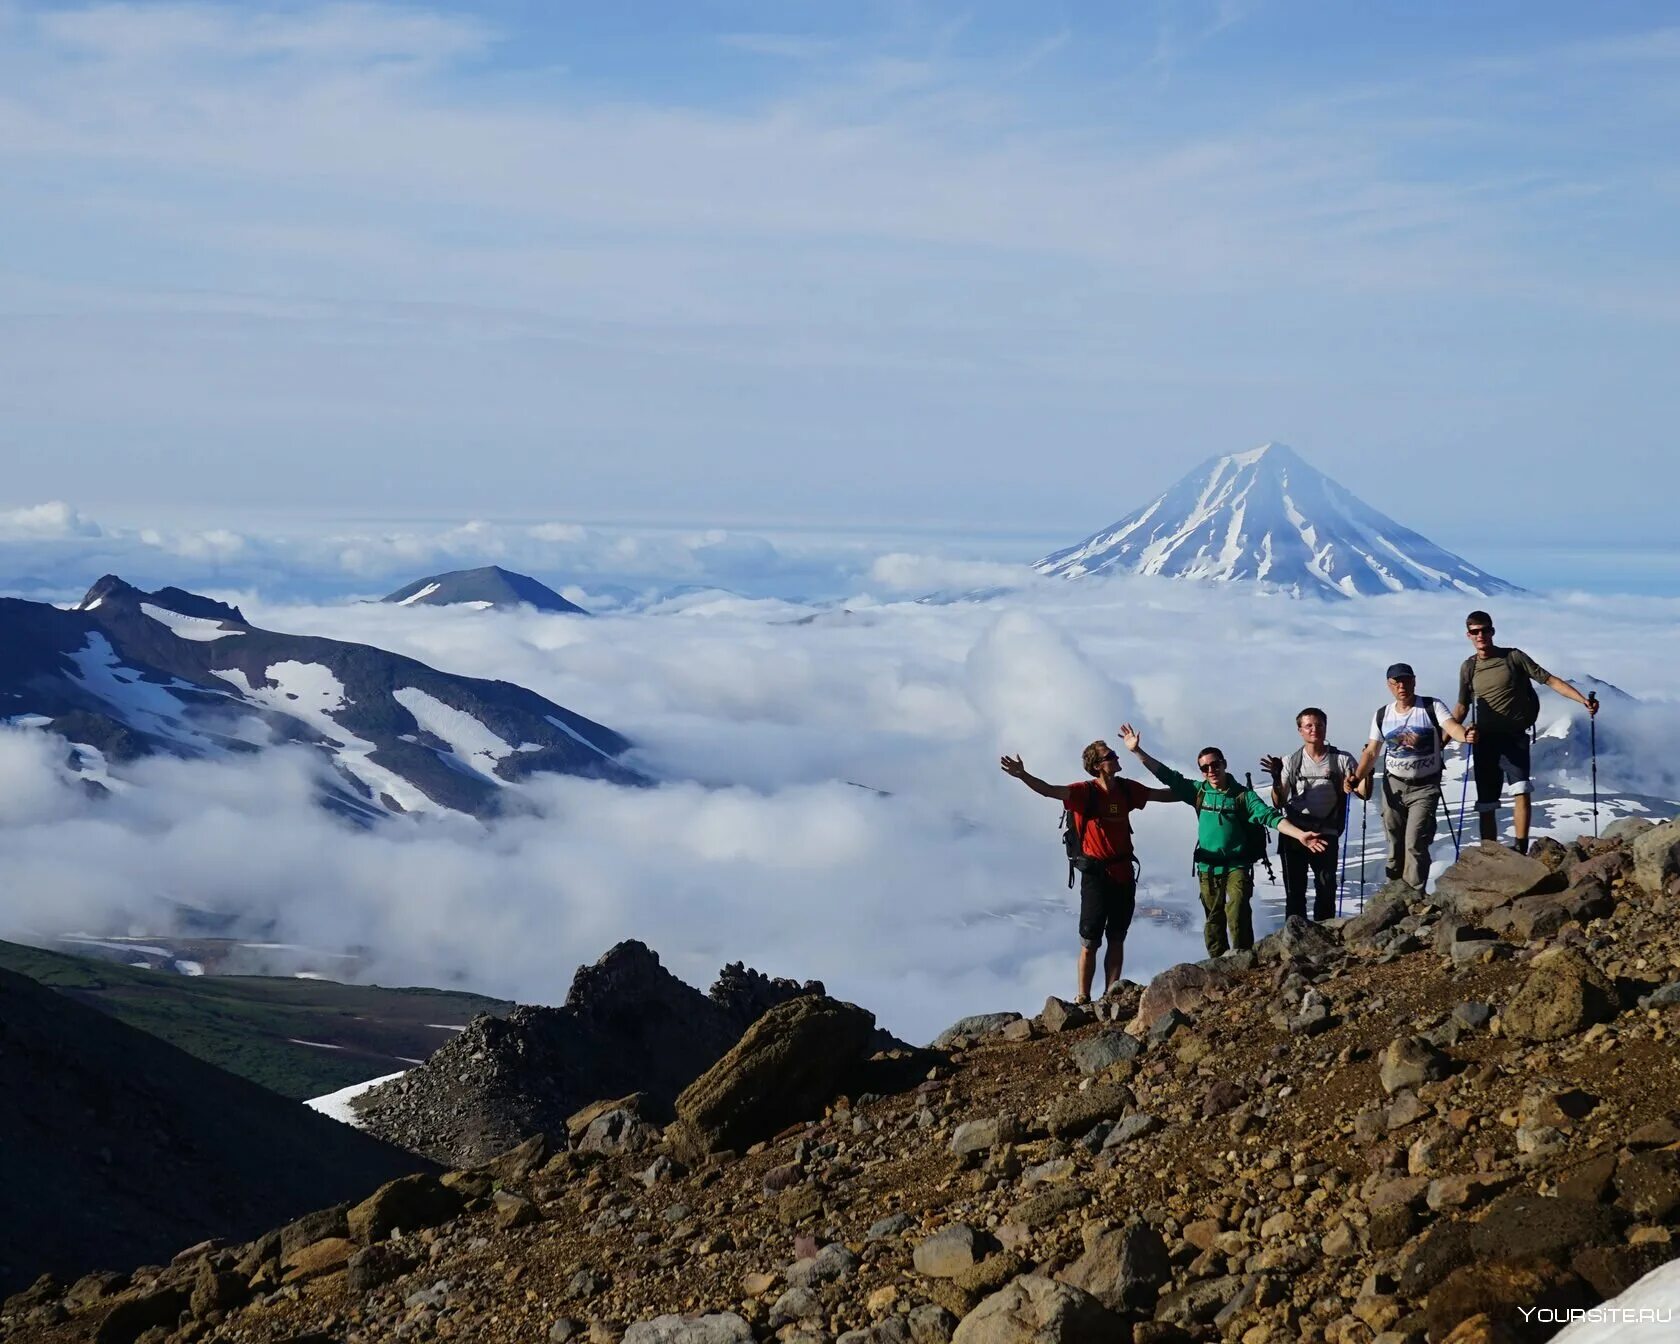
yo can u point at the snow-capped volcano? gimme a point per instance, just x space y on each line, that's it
1268 515
491 586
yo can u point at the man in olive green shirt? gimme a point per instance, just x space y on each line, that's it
1226 813
1499 684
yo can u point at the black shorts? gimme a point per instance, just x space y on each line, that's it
1500 759
1106 904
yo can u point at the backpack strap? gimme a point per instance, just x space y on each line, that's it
1296 759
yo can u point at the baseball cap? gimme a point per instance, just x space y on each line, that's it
1401 670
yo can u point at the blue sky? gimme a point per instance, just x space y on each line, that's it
994 266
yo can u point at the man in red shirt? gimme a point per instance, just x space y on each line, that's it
1102 808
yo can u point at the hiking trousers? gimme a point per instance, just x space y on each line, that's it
1408 812
1227 901
1295 863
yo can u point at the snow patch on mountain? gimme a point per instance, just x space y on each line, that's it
1269 516
473 746
187 627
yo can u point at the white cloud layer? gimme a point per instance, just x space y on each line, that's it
943 894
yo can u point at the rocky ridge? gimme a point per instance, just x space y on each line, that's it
628 1027
1408 1126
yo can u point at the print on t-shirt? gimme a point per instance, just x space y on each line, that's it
1411 743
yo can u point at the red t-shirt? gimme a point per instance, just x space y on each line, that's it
1109 836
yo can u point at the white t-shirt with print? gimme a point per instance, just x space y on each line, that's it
1419 758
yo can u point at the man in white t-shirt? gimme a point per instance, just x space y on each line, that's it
1312 785
1409 732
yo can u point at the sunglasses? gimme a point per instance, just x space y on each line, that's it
1474 630
1211 766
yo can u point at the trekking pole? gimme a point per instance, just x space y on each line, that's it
1341 871
1592 728
1364 821
1464 793
1265 854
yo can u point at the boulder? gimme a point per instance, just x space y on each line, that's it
723 1327
1501 1290
1612 1270
317 1258
1060 1015
1105 1048
409 1202
1626 828
951 1250
1184 987
1299 939
1122 1268
1605 867
1488 876
1386 910
579 1121
1563 994
1656 856
1037 1310
1202 1300
783 1070
1410 1061
373 1267
615 1132
317 1226
1648 1184
1522 1225
1076 1112
977 1024
515 1166
979 1136
138 1311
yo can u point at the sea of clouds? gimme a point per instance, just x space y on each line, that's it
831 804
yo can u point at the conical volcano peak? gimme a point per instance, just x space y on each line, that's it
1269 515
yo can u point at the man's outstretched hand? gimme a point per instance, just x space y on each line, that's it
1315 842
1012 766
1129 736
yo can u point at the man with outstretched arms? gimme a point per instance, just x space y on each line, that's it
1498 685
1101 807
1312 785
1228 815
1409 733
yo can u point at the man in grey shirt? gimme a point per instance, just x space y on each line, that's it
1312 785
1408 732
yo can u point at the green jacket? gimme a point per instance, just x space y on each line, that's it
1221 840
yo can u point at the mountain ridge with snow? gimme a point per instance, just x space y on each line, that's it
1269 516
128 673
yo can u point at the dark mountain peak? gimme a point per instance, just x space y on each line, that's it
109 588
112 591
192 604
487 586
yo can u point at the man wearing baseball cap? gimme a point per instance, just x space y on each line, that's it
1409 733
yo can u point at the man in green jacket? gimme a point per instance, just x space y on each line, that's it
1226 813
